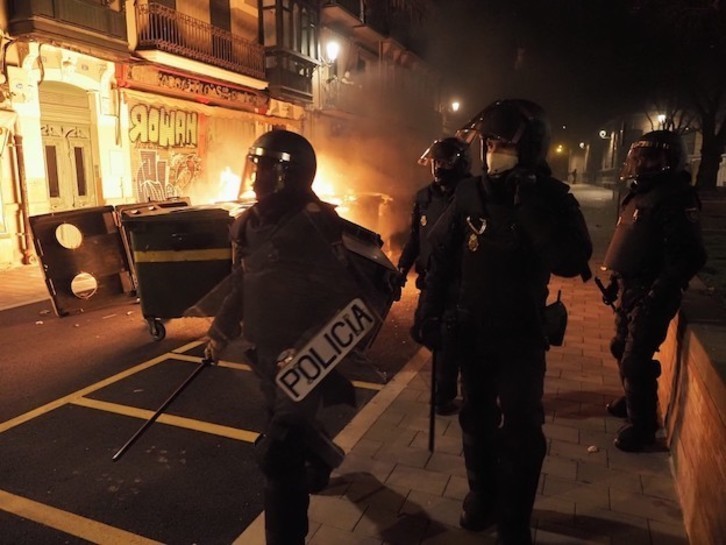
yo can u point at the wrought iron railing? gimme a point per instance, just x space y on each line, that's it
168 30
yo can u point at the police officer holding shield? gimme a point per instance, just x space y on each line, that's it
290 276
450 162
655 251
502 236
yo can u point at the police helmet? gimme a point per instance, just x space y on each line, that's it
279 161
514 121
448 158
653 153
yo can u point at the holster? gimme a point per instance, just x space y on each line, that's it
555 322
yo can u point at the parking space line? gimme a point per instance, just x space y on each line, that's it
74 525
220 363
48 407
188 346
367 385
179 421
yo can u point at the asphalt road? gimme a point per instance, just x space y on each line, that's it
73 391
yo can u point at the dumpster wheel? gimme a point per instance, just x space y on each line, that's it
156 329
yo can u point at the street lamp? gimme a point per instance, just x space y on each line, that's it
455 105
661 120
332 49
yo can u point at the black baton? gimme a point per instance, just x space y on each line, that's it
205 363
604 292
432 408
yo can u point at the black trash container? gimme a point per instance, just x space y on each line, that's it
179 255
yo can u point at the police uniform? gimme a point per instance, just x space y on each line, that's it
506 236
292 277
429 205
655 250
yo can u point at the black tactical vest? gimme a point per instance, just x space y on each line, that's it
637 246
503 281
431 204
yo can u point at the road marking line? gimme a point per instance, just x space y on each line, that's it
178 421
48 407
188 346
367 385
220 363
74 525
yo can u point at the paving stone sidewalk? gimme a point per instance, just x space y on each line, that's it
391 491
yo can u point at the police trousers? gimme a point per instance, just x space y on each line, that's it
282 454
501 421
641 325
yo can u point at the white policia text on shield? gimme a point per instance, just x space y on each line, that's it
305 369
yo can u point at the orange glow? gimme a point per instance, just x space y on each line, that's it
228 185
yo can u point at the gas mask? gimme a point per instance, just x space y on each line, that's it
498 162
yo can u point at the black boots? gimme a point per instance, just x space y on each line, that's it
634 439
618 407
477 514
447 408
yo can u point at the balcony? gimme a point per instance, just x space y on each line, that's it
290 75
164 29
88 26
347 12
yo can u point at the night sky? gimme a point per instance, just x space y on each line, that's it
574 57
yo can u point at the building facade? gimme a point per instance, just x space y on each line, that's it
114 102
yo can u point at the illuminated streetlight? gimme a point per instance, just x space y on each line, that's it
332 49
582 145
603 134
455 105
560 148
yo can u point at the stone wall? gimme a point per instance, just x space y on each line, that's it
692 395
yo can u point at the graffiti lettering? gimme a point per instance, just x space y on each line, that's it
166 128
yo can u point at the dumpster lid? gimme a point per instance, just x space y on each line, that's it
83 259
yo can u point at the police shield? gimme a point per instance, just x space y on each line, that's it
303 369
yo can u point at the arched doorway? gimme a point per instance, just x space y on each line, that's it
65 124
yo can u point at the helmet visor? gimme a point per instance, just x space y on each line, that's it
261 174
644 159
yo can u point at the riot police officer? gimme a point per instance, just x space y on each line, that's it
291 274
503 235
655 251
450 162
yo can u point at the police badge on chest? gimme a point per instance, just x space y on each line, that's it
477 227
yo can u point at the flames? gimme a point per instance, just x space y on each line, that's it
366 208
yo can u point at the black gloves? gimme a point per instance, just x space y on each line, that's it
427 331
610 292
396 281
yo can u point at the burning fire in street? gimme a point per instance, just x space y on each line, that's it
353 190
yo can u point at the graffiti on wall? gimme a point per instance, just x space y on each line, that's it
158 177
167 155
165 128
